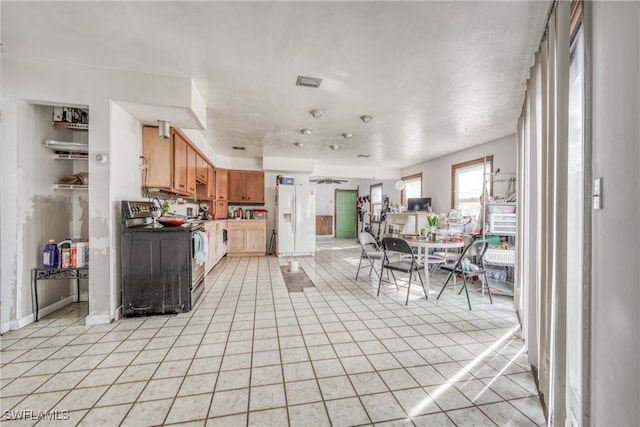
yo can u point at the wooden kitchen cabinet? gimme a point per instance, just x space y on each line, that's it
180 163
237 186
168 162
202 168
210 262
221 208
217 245
220 239
246 186
246 237
158 155
222 184
211 182
255 187
192 157
324 225
171 163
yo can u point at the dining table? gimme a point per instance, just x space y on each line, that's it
423 249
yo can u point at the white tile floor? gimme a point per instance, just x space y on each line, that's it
252 353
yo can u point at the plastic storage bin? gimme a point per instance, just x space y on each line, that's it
286 180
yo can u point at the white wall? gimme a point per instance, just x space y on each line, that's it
436 173
615 292
126 184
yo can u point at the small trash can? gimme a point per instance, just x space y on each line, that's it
293 266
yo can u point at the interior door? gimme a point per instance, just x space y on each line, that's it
346 214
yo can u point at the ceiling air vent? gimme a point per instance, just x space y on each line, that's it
235 147
308 81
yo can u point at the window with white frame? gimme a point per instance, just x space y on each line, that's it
412 188
467 182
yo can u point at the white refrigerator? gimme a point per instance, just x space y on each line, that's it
295 220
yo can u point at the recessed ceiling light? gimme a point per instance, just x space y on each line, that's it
235 147
316 113
366 119
347 135
333 146
305 131
365 156
298 144
308 81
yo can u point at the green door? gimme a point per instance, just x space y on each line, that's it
346 214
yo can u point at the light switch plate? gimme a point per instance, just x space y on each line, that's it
597 194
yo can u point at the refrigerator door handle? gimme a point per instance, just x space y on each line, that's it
293 218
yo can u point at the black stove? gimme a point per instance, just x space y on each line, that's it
159 273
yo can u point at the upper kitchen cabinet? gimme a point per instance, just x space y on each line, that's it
180 163
211 182
158 155
192 166
222 184
171 163
246 186
202 168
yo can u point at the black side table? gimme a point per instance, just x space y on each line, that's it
57 274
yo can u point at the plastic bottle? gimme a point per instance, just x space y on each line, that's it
78 247
64 248
50 255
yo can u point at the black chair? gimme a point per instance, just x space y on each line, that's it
404 261
474 253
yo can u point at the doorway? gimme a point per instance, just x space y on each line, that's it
346 214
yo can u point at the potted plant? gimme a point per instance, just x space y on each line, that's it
432 221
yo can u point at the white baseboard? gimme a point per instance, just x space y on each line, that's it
53 307
119 313
14 325
99 319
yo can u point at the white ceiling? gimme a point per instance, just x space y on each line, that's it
437 77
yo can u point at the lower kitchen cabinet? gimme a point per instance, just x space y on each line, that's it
217 243
247 237
324 225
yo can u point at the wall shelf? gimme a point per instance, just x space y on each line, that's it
70 187
72 126
64 147
71 156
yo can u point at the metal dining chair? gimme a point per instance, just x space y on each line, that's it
474 253
398 256
370 251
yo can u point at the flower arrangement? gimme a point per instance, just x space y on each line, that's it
432 221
